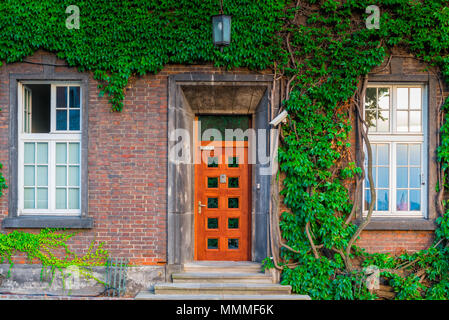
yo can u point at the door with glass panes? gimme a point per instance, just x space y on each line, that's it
222 189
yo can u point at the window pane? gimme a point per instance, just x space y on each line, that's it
74 176
233 182
42 198
370 118
374 153
42 153
74 153
383 177
215 127
384 98
61 198
415 200
61 120
42 176
212 162
212 223
212 182
401 200
233 244
233 223
61 97
61 176
382 200
28 153
415 98
212 243
415 121
367 199
212 203
61 153
402 177
233 162
28 176
415 154
28 196
370 98
366 177
383 123
74 120
402 98
401 154
74 98
415 177
233 203
402 121
74 198
383 154
374 176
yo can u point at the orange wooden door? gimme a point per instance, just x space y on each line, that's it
222 201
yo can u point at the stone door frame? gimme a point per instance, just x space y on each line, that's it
180 191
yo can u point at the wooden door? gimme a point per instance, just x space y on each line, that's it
222 201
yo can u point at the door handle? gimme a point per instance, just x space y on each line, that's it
199 206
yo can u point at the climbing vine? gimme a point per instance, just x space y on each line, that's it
321 51
49 247
330 54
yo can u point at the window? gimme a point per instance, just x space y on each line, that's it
396 116
49 150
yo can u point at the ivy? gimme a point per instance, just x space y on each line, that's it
49 247
329 55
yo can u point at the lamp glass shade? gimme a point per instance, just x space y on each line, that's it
221 30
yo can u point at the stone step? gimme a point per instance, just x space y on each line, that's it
147 295
222 288
223 277
223 266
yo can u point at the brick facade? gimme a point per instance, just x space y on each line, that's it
127 165
127 161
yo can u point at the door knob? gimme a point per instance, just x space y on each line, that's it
199 206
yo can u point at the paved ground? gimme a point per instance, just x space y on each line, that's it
51 297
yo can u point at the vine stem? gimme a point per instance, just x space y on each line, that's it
364 132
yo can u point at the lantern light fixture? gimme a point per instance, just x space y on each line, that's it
221 28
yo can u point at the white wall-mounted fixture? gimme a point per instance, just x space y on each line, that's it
280 118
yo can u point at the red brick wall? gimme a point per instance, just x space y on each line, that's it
395 241
127 162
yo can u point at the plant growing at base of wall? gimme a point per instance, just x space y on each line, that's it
49 247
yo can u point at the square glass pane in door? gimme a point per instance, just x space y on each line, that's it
233 162
212 182
212 203
212 243
233 244
233 182
212 223
233 203
233 223
212 162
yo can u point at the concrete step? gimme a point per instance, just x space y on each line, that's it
223 266
222 288
146 295
223 277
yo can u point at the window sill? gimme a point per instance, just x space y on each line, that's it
411 224
48 222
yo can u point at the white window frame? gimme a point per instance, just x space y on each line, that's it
392 138
51 138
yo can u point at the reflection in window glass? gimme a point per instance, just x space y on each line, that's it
398 185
